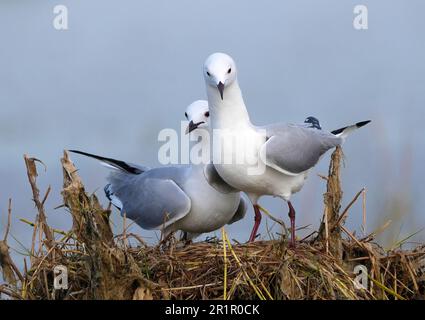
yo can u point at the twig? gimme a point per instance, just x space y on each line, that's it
6 261
364 211
9 220
274 219
32 178
344 213
32 224
10 293
360 244
223 236
376 232
326 229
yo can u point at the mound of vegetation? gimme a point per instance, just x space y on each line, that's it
329 264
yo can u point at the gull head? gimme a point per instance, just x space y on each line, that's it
197 113
219 71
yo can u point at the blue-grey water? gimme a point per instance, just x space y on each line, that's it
127 69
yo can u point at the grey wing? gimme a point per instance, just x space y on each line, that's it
153 203
293 149
216 181
240 212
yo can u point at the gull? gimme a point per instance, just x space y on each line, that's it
285 151
190 198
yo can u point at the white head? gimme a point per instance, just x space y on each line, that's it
219 71
197 113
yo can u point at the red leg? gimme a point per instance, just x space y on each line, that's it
256 224
291 215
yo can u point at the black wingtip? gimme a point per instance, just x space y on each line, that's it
338 131
362 123
84 153
89 155
117 163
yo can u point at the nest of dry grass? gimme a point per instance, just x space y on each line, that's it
102 265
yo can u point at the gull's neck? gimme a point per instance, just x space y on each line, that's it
230 112
204 143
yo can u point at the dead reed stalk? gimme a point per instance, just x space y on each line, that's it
11 273
330 231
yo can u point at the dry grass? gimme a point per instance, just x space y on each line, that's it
104 266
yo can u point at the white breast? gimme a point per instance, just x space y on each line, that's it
210 209
246 171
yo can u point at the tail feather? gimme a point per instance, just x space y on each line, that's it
345 131
116 164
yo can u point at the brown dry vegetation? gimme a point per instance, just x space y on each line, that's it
102 265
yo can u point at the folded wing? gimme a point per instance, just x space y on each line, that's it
293 149
153 203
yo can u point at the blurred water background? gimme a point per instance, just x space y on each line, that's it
127 69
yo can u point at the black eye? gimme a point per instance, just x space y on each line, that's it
230 70
208 74
185 114
207 114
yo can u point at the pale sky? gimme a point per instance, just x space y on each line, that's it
124 70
